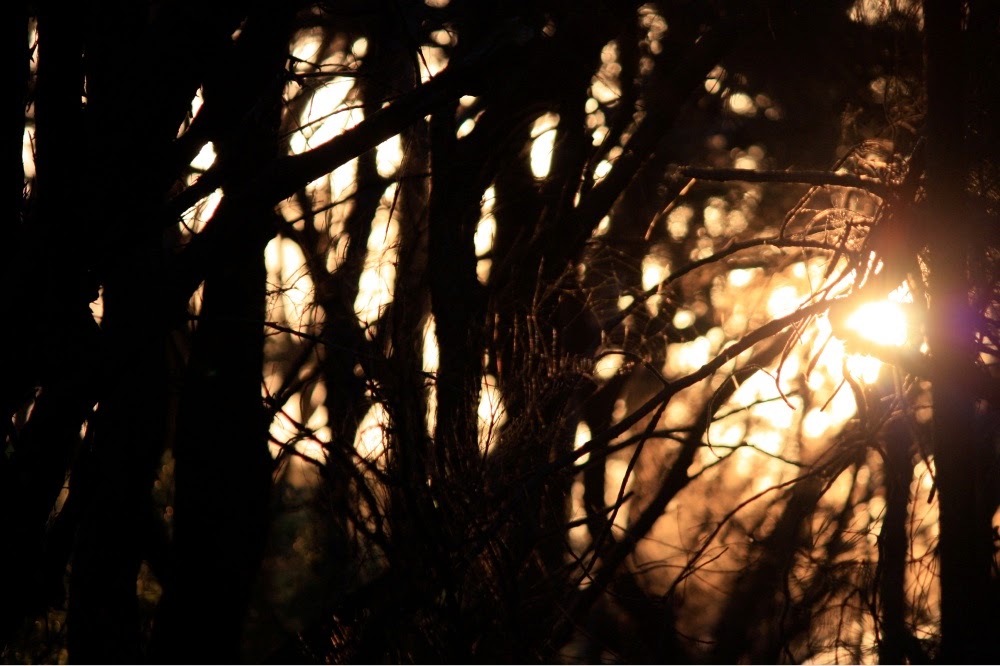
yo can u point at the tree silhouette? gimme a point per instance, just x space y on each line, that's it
481 331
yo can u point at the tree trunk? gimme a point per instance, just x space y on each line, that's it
965 544
222 464
51 349
894 544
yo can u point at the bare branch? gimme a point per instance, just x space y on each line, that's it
815 178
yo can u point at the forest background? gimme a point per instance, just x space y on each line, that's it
465 331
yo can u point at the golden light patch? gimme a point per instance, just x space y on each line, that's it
881 322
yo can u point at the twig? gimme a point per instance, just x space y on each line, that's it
815 178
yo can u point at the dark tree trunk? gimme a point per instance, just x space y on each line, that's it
50 352
223 468
130 131
222 464
455 298
965 543
895 647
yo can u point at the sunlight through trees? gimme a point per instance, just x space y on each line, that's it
456 331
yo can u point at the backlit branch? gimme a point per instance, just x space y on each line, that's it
815 178
730 249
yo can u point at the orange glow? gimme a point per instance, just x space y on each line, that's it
881 322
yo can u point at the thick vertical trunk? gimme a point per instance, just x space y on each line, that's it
345 349
223 469
103 610
129 425
53 344
455 299
142 71
222 464
965 547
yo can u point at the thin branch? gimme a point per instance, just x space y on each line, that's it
815 178
671 388
729 250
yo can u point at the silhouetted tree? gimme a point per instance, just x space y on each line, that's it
502 331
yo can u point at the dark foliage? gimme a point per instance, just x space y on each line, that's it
481 331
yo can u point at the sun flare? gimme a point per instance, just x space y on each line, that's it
881 322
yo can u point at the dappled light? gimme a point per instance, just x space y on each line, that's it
193 220
456 332
292 283
205 158
543 133
306 437
375 285
370 442
485 235
491 412
389 156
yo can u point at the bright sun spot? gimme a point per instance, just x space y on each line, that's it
377 281
491 412
205 157
582 437
783 301
881 322
544 137
389 156
607 365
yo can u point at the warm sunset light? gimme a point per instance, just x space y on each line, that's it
508 332
881 322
